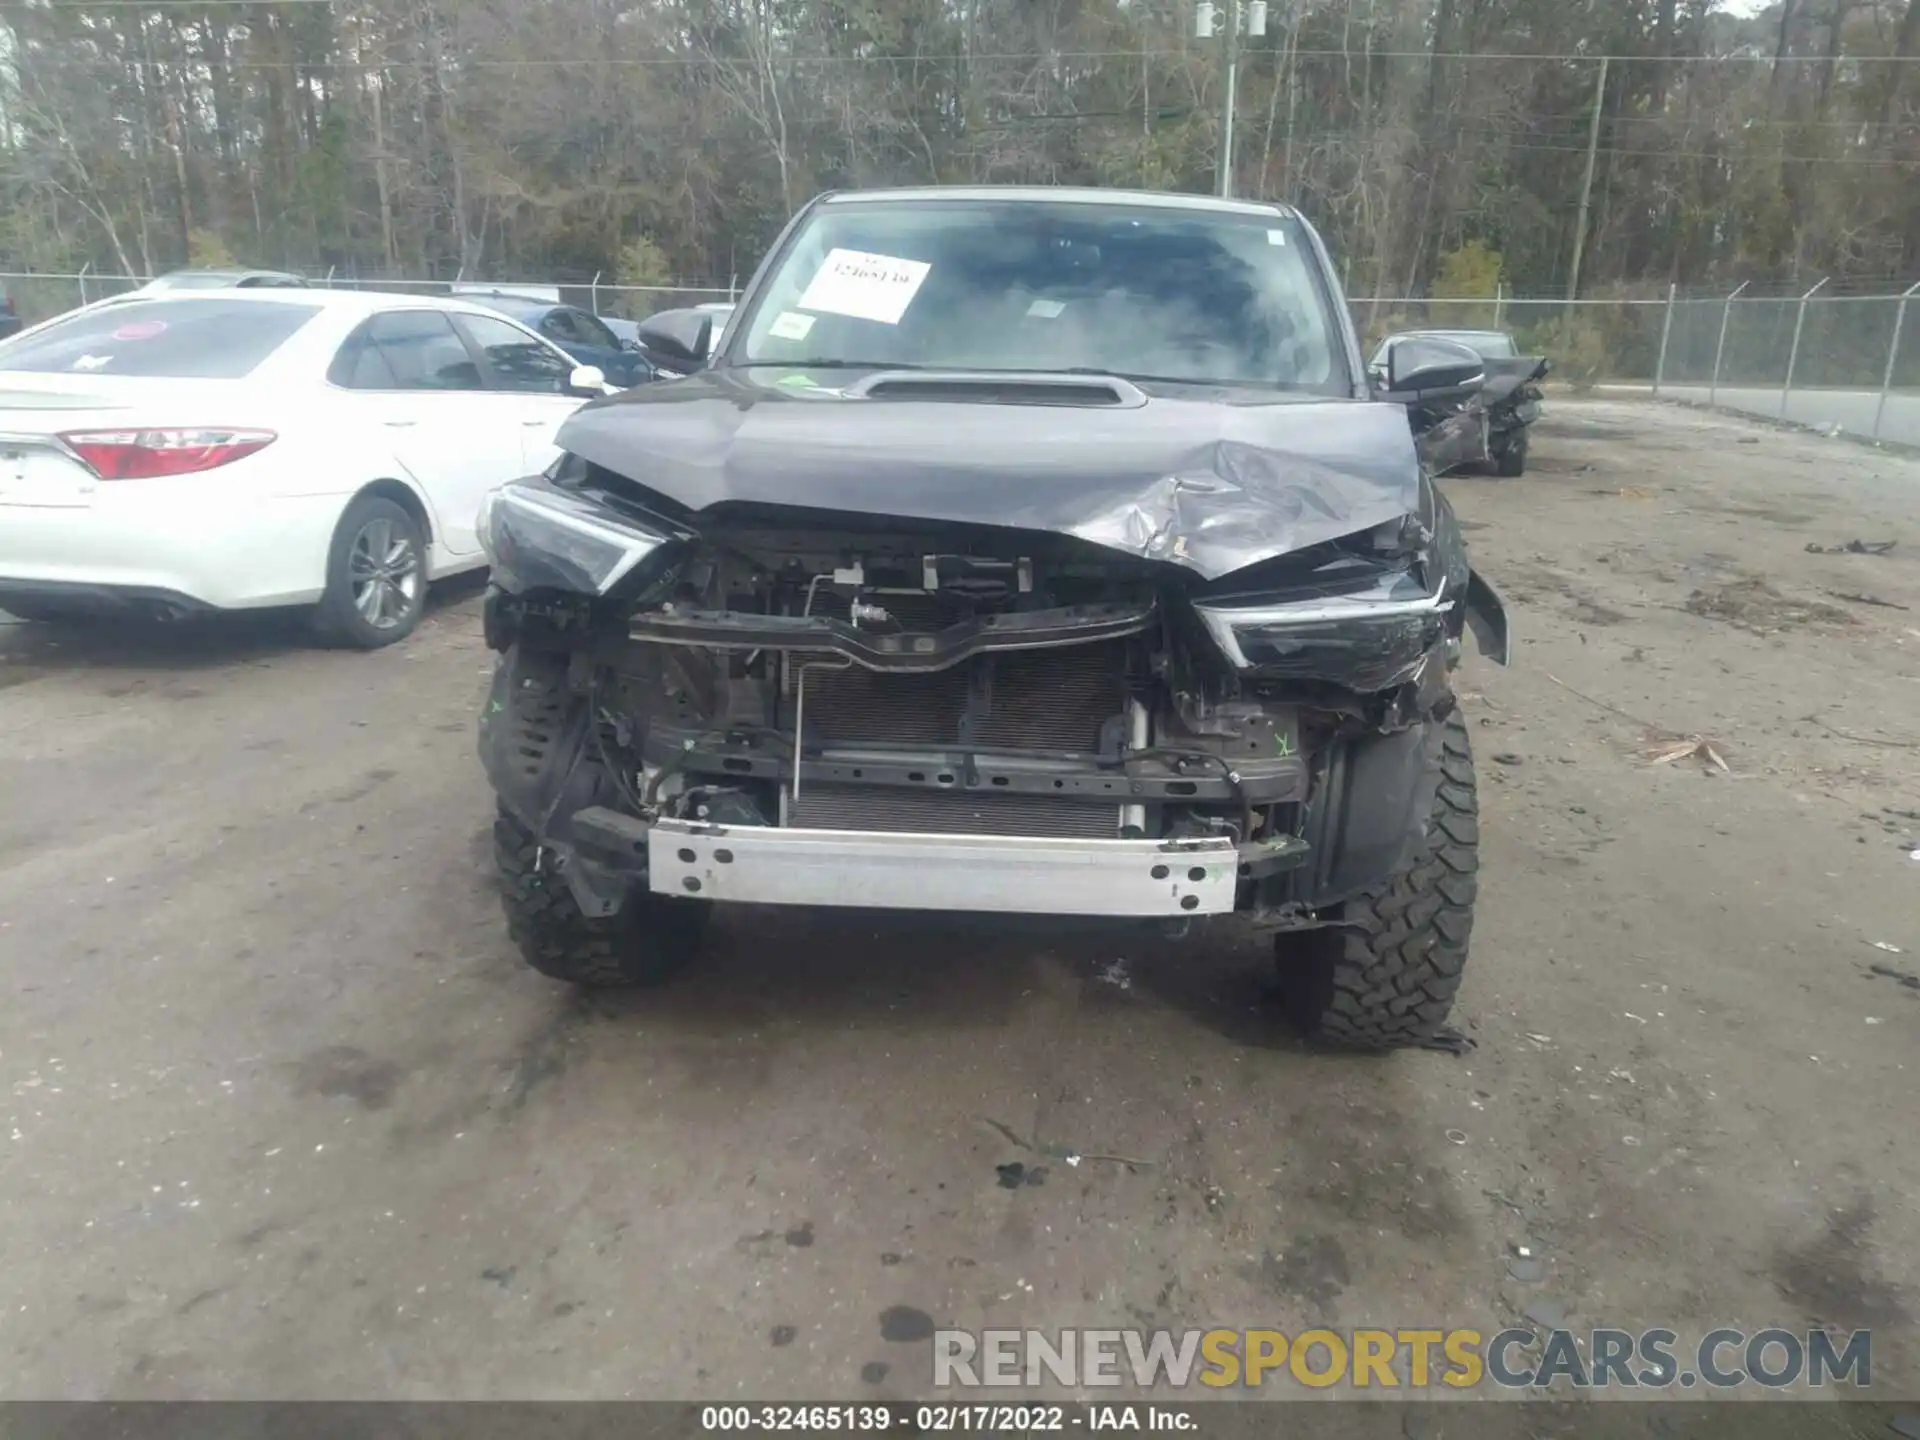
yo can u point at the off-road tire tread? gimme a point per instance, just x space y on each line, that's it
646 943
1386 979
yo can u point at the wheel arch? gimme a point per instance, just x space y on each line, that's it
409 500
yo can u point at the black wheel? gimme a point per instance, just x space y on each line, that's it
1386 978
650 939
1510 459
376 576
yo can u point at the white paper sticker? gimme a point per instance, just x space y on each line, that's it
1046 309
788 325
867 287
1276 237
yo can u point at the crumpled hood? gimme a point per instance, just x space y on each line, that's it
1213 480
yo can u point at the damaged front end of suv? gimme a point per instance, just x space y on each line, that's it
987 639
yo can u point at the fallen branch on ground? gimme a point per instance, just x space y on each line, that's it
1860 597
1623 714
1668 745
1861 739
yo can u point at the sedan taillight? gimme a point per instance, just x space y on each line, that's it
143 454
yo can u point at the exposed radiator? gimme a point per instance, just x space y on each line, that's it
949 812
858 706
1052 700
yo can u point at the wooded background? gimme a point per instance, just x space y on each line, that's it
1439 144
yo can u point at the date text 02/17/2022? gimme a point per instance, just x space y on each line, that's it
946 1418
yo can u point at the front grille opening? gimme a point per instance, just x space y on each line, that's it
900 810
1055 701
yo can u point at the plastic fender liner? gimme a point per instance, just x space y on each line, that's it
1487 617
1369 813
535 745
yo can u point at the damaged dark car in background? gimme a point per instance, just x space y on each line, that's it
1489 427
1018 551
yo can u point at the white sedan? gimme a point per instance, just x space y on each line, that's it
249 448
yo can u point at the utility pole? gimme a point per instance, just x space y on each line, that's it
1206 15
1586 189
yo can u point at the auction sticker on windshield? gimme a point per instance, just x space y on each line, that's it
790 326
864 286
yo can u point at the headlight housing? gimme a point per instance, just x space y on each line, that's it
1368 640
538 536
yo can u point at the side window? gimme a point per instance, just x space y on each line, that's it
559 326
422 352
592 331
516 359
359 365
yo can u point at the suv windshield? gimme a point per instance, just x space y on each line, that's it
1148 292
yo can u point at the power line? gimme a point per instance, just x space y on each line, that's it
1168 56
607 62
1664 153
46 5
1753 123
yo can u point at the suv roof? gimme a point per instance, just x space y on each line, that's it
222 279
1448 332
508 303
1063 195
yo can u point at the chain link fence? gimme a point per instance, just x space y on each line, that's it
1838 362
1830 356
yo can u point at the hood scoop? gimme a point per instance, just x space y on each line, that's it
999 387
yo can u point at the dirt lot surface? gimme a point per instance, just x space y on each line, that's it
285 1116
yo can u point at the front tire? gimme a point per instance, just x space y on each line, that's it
376 576
650 940
1510 460
1385 978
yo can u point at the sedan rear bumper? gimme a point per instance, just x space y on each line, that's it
184 539
102 600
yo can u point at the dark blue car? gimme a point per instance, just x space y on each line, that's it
583 336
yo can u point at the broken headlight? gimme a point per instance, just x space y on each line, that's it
538 536
1367 639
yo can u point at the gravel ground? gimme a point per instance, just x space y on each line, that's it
285 1117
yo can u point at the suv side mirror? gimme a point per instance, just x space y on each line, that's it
587 380
684 336
1423 371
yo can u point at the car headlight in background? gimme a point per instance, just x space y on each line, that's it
540 537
